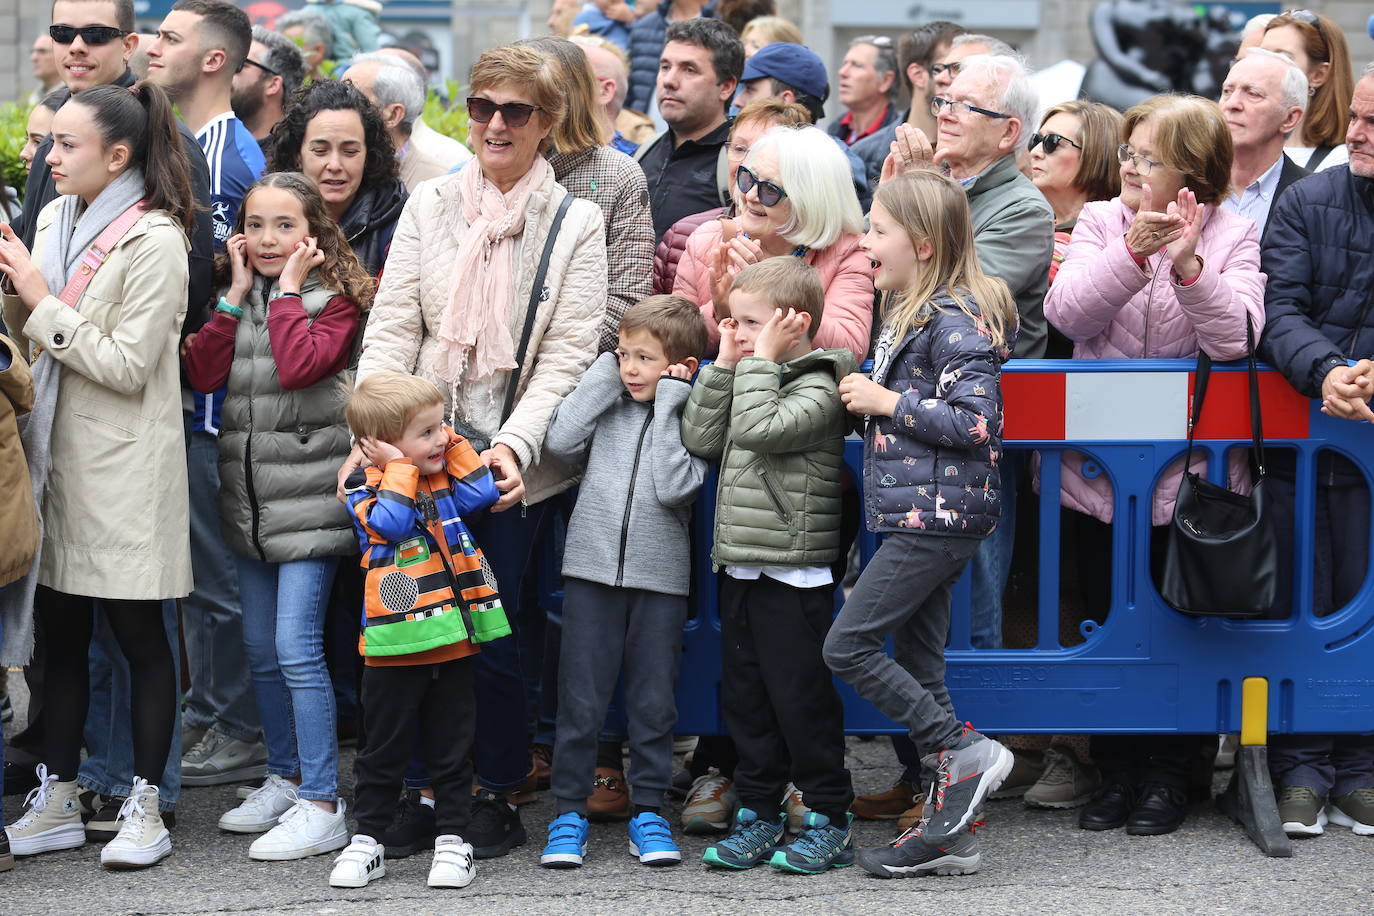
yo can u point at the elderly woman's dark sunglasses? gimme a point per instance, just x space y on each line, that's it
1051 142
515 114
769 192
90 34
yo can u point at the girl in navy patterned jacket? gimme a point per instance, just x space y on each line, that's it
934 408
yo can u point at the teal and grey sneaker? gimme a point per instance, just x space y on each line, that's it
751 841
819 847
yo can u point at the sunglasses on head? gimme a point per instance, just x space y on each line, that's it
1311 19
769 192
90 34
515 114
1051 142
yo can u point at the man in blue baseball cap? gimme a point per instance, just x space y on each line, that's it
793 73
785 71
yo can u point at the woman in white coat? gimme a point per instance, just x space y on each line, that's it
104 441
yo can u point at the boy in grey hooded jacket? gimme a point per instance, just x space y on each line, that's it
626 568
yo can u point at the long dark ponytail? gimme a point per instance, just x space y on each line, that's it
142 117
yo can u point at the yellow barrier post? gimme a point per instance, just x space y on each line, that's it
1250 796
1254 712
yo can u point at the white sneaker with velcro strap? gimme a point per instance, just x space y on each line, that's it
362 861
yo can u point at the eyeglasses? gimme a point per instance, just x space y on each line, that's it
249 62
959 109
937 69
1311 19
90 34
515 114
769 192
1143 166
1051 142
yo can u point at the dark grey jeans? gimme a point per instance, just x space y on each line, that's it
903 591
607 630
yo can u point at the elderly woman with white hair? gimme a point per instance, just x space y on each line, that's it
795 196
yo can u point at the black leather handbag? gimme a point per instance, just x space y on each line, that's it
1222 556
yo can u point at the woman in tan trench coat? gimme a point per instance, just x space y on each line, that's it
104 440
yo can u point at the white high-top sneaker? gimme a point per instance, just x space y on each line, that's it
53 820
143 839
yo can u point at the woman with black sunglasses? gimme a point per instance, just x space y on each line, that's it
1072 162
1317 45
464 304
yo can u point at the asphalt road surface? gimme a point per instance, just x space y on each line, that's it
1033 862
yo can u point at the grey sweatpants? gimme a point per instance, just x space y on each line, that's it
606 629
903 591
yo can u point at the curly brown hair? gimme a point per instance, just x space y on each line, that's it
341 271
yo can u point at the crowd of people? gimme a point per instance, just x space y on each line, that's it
299 385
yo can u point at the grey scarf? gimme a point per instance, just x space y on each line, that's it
67 240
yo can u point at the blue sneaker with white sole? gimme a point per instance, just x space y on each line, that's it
567 842
651 839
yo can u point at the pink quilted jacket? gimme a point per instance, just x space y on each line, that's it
846 273
1112 309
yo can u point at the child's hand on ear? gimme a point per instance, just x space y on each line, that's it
377 451
780 335
240 274
680 370
304 259
729 354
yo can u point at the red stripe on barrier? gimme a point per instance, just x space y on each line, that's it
1033 405
1226 412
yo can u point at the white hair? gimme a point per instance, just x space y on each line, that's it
1293 86
1368 70
995 46
815 173
1256 23
1019 98
395 84
316 28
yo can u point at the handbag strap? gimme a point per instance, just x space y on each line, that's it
98 251
537 294
1204 372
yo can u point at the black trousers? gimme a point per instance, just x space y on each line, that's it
400 701
778 698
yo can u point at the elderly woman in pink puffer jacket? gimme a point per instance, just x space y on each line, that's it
1159 272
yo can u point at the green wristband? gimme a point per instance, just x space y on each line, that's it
228 309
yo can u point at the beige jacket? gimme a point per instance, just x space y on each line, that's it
115 512
416 290
429 154
18 519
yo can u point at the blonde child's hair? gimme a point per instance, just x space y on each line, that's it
673 321
385 402
785 283
933 209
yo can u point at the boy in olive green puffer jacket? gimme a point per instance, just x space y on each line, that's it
769 410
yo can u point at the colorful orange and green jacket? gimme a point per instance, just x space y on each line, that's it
430 594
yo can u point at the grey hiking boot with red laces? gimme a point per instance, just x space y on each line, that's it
965 774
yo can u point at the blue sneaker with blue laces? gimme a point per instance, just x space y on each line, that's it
819 847
751 842
651 839
567 842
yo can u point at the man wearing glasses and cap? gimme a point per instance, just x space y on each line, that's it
868 78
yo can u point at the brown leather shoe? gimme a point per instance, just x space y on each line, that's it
911 815
885 806
610 799
542 756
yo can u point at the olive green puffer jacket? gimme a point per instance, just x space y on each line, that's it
778 432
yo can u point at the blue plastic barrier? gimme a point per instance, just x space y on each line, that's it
1146 668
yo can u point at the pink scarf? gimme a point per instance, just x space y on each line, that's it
475 333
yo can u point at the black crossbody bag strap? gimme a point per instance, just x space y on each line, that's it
1204 372
536 295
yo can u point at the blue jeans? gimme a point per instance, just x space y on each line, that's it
283 632
221 696
109 765
992 564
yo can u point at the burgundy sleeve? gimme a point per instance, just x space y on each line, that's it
308 352
210 354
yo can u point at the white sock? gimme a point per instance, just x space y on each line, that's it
427 801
